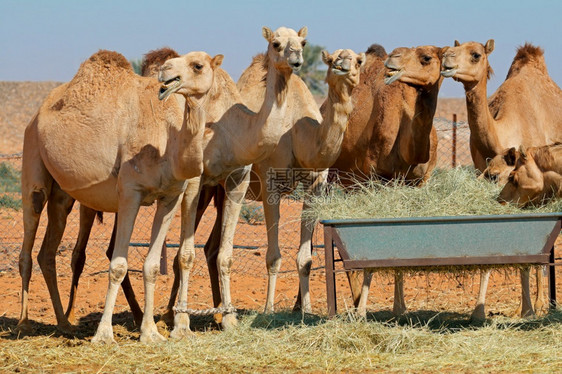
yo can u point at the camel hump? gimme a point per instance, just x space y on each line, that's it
111 58
527 54
156 58
377 50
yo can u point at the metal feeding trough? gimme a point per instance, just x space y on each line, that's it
440 241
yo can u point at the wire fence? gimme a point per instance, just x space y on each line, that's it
250 240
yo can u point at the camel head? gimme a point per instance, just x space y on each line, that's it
285 48
420 66
499 167
525 183
154 59
467 62
343 63
189 75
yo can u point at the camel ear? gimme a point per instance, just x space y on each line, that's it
489 46
217 61
327 58
457 43
303 32
267 33
361 59
511 157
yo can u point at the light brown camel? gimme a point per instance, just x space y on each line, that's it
237 139
154 148
391 133
150 66
308 147
536 178
525 110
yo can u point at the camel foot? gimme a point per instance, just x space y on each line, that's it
528 313
181 326
151 335
229 321
479 314
167 318
399 310
104 335
361 314
541 308
67 328
23 328
268 309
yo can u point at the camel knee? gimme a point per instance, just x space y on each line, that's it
304 265
273 261
117 270
38 200
224 263
150 272
185 260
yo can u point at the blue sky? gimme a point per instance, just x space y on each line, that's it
47 40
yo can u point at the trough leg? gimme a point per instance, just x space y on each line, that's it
330 276
552 281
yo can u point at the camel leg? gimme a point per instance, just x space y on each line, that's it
186 255
58 208
362 307
526 304
129 203
479 313
355 285
399 307
36 185
212 247
205 197
165 211
273 255
235 188
541 306
87 217
126 283
304 256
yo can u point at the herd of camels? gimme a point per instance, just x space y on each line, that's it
185 134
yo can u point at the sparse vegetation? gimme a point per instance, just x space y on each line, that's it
10 187
252 213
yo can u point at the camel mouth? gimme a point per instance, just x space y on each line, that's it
169 87
449 72
339 70
392 75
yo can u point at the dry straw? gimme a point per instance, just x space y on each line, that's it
451 192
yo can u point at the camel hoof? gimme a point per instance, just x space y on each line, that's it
540 308
229 321
361 314
528 313
181 326
23 328
104 335
67 328
152 336
479 314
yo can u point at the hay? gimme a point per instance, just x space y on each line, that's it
451 192
423 342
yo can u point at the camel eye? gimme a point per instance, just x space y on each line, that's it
303 43
276 45
198 67
476 56
511 179
425 60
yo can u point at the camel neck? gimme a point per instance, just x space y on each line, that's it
318 145
483 129
188 143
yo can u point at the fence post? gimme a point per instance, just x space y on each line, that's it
164 260
454 150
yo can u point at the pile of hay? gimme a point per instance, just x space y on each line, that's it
451 192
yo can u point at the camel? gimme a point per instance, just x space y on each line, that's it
391 133
525 110
150 67
536 178
237 139
498 168
154 149
307 148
